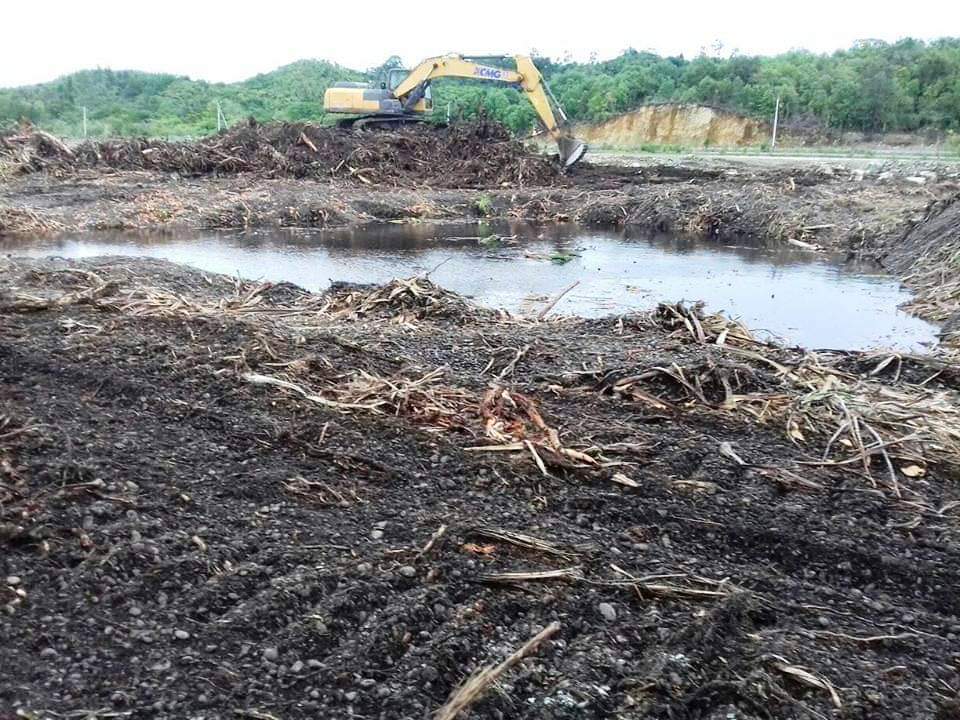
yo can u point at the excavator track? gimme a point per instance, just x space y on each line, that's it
380 122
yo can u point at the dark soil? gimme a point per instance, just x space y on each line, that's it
939 227
927 257
177 541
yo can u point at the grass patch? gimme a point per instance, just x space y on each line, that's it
662 148
484 205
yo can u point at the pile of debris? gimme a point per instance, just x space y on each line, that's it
477 154
30 149
22 221
402 301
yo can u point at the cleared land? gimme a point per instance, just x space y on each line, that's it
222 498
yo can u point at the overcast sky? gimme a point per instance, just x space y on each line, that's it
231 41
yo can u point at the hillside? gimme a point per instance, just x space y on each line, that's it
873 87
127 102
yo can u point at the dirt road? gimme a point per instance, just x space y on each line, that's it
903 163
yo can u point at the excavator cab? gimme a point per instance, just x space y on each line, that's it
395 76
375 102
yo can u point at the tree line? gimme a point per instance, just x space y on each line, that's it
872 87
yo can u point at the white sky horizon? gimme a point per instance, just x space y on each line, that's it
220 42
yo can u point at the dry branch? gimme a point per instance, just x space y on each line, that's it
572 574
523 540
850 419
809 678
27 303
478 683
546 310
681 586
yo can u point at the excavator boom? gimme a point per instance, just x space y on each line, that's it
411 95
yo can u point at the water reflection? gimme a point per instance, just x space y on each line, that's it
806 299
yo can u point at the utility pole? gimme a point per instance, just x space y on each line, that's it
776 120
219 117
84 122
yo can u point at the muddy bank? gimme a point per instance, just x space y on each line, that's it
835 211
222 497
247 176
927 256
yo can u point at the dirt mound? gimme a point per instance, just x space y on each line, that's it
940 226
403 300
929 255
463 155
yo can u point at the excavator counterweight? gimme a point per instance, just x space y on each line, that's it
403 97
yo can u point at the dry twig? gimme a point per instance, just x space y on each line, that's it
478 683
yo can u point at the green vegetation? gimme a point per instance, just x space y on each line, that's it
873 87
562 258
667 148
484 205
129 103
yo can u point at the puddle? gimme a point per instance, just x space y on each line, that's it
802 298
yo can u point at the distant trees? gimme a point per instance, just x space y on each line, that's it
872 87
136 103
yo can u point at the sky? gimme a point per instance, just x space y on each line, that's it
226 42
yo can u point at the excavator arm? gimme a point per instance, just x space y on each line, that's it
526 77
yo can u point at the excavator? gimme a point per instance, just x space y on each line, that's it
403 96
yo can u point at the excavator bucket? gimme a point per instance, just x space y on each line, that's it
571 150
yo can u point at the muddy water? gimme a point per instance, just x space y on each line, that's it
801 297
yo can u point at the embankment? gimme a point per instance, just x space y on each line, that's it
675 124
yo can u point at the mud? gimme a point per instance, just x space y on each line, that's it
182 538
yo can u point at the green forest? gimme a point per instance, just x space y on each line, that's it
872 87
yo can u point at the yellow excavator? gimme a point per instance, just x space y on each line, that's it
403 96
